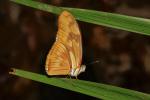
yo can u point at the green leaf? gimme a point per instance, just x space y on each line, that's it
101 91
128 23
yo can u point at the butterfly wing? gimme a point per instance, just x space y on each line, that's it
70 35
66 53
57 62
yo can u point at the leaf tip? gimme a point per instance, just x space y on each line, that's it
12 71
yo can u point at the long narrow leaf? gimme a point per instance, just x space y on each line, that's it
128 23
101 91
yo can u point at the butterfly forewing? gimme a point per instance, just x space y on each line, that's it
70 34
66 53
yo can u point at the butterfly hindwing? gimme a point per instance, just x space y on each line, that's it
57 62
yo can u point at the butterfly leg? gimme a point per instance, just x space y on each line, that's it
68 76
76 77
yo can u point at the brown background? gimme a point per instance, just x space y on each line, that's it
27 35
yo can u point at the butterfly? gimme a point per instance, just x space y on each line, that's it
65 56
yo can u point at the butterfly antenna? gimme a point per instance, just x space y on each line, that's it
97 61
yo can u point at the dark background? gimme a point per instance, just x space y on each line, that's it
27 35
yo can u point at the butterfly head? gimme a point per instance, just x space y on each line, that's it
76 71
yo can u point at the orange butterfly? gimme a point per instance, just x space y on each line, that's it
65 56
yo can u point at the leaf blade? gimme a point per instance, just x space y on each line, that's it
123 22
97 90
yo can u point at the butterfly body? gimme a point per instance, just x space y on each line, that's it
65 56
